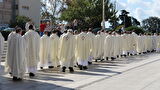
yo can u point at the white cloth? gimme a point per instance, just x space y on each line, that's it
44 50
54 48
32 40
1 46
108 46
158 44
140 44
103 36
67 50
154 42
97 47
133 41
116 45
91 37
82 49
125 44
15 62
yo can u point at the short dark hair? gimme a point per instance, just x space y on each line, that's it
31 27
18 29
54 31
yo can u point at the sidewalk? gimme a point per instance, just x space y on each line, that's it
51 79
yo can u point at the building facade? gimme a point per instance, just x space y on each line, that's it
5 11
31 9
9 9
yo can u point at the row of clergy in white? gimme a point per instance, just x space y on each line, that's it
68 50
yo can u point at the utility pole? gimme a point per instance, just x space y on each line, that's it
103 21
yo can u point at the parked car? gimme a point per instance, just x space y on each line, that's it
8 29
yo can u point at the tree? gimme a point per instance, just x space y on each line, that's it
135 22
51 9
151 24
135 29
88 12
126 20
20 21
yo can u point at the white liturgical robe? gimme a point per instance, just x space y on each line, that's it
97 47
125 44
32 40
54 48
91 37
44 50
82 49
1 46
108 46
140 44
67 50
15 62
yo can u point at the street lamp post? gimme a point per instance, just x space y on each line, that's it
103 16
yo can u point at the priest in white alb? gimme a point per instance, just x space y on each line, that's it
44 50
32 40
67 51
54 48
108 46
91 37
82 50
1 46
97 47
15 63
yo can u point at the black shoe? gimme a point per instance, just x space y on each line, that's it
117 56
112 58
50 66
31 74
19 79
107 58
63 69
10 73
125 55
71 69
41 67
85 67
96 60
102 60
89 63
15 78
80 67
131 54
128 53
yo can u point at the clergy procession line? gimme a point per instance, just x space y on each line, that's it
25 53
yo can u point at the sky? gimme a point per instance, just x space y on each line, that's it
140 9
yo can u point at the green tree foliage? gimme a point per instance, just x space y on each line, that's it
51 9
126 20
88 12
135 29
151 24
20 21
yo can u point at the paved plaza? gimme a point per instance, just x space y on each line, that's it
132 73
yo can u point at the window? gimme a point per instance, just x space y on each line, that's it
25 7
16 7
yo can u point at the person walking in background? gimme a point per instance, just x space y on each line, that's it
42 28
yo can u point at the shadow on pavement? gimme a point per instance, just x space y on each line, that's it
7 84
